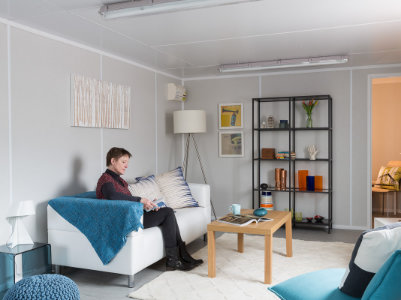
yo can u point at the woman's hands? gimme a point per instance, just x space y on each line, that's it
149 205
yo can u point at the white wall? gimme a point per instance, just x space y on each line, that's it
4 144
49 157
169 148
231 177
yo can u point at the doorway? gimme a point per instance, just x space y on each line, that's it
385 143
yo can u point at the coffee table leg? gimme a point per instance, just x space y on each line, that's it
288 237
268 258
240 242
211 253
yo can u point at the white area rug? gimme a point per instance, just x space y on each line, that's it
240 275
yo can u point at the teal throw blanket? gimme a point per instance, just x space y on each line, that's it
105 223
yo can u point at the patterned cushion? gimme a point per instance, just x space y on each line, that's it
175 189
146 187
371 250
389 178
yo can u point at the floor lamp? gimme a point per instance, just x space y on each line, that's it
191 122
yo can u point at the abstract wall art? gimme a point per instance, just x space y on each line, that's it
231 144
97 103
230 116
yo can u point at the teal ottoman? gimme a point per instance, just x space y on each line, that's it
43 287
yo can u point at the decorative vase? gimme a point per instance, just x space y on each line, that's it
270 122
309 121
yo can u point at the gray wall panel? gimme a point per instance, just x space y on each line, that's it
50 158
139 139
169 154
230 178
336 84
4 136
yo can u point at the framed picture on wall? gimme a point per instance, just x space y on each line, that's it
230 116
231 144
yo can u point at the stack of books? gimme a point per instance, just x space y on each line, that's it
285 155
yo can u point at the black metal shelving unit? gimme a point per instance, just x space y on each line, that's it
292 191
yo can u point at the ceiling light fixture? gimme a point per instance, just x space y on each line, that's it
152 7
284 63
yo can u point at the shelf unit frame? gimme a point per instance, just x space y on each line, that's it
291 129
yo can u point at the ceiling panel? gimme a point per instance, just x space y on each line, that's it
194 43
372 38
249 19
23 9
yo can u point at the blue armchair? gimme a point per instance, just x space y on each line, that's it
323 284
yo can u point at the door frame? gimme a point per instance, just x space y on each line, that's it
369 138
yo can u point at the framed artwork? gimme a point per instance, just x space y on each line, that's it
98 103
231 144
230 116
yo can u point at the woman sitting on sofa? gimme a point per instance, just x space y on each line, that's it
112 187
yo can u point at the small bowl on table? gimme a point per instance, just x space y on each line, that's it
309 219
318 219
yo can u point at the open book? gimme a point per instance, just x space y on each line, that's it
159 202
242 220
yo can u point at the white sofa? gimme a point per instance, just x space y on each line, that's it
69 247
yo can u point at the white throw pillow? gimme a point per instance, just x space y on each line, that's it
145 187
175 189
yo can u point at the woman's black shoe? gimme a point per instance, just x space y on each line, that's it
175 262
187 257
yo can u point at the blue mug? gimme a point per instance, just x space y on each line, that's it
235 209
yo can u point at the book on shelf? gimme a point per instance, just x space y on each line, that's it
285 155
242 220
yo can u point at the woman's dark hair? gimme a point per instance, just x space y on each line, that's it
116 153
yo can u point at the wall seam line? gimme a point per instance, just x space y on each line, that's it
10 147
156 127
102 156
350 151
182 135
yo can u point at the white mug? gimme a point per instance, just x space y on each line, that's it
235 209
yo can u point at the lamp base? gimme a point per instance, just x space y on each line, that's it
185 164
19 235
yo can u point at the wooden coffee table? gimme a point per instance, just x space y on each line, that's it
262 228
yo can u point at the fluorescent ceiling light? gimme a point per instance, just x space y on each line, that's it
284 63
152 7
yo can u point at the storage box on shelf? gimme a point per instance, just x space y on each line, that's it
293 162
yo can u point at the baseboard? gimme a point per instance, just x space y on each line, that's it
349 227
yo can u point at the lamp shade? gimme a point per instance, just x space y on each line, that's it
22 208
189 121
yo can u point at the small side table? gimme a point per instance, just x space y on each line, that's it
22 261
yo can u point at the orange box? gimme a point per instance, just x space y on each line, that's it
302 179
319 183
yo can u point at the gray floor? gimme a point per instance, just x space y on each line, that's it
100 285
